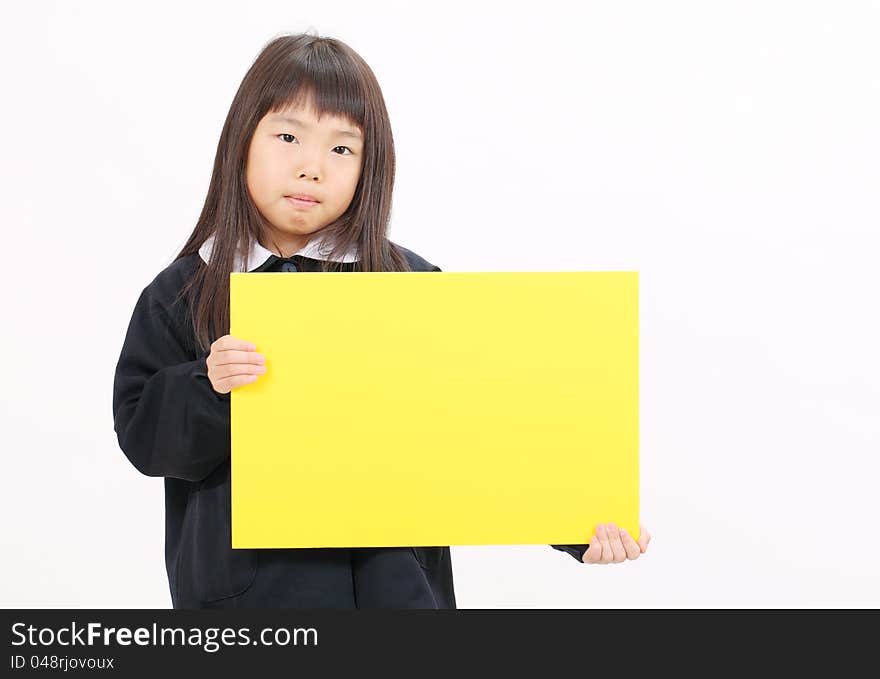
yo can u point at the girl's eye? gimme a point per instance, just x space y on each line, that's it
289 137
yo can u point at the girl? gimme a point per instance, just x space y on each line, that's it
302 181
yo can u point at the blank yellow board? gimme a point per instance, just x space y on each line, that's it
435 408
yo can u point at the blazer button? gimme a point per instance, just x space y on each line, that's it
288 266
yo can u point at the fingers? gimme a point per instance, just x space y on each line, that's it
610 545
226 370
232 363
602 534
630 545
229 368
229 349
235 356
644 538
229 342
618 553
594 552
228 384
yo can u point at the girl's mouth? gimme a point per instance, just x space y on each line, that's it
300 202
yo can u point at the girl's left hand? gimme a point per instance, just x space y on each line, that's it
611 545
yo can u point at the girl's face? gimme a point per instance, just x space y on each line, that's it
292 154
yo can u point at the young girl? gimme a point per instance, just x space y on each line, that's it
302 181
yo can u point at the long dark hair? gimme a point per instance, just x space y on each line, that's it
289 71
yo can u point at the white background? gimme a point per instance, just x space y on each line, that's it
728 151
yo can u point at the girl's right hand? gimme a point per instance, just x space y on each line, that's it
233 362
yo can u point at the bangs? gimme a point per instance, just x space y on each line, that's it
321 78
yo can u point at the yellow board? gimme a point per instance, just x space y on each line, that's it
435 408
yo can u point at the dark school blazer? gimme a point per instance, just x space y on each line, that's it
171 423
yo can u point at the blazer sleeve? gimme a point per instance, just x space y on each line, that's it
168 419
577 551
